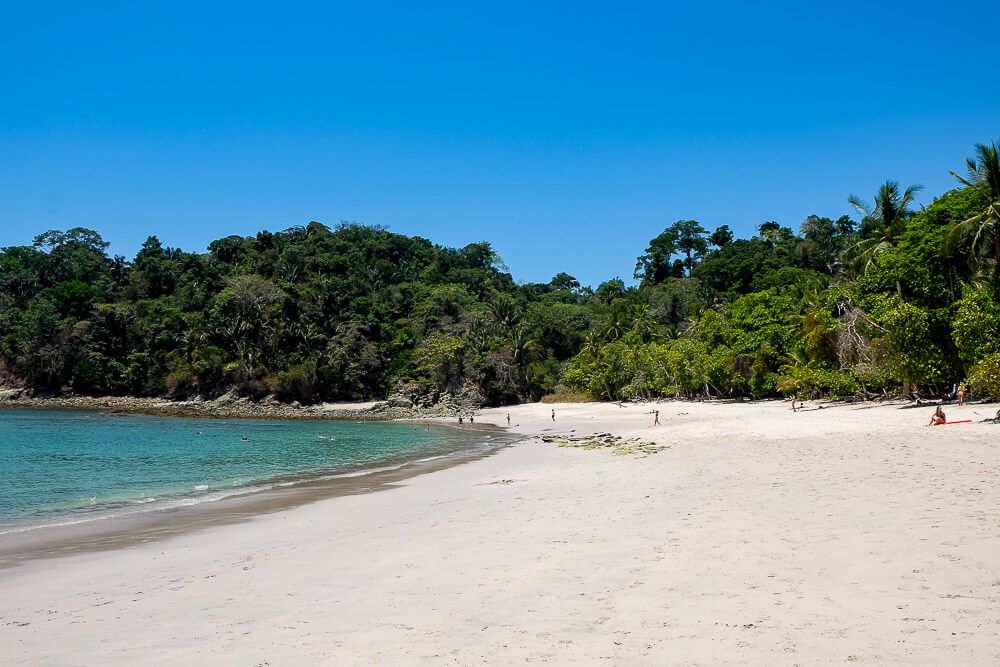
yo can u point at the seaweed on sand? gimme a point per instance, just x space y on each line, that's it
617 444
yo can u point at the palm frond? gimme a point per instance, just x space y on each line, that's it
860 205
983 169
967 182
908 195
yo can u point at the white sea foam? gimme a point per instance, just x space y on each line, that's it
135 507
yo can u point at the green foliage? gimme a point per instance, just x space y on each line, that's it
686 238
308 313
298 383
438 359
976 327
883 223
979 230
915 357
674 301
812 381
984 378
567 397
902 300
721 237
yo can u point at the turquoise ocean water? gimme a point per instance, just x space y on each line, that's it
67 467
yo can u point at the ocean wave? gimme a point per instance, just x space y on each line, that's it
133 507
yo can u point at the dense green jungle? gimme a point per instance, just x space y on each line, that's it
897 300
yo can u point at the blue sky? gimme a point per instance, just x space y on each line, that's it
566 134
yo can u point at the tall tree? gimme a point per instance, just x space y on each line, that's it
721 237
983 229
684 237
653 266
883 223
692 242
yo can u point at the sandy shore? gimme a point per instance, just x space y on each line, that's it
755 536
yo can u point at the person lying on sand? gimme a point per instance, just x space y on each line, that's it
938 418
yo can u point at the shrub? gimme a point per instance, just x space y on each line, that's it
181 383
976 328
984 379
807 381
209 366
568 397
295 384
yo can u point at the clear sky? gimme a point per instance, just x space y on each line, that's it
567 134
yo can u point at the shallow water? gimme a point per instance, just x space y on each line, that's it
64 467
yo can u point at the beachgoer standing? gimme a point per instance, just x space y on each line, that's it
553 414
794 398
656 417
472 419
961 393
508 419
460 420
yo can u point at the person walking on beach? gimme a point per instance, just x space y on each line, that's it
460 420
553 414
472 419
508 420
656 417
961 394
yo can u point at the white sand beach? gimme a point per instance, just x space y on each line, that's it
851 534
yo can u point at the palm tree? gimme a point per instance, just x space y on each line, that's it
886 221
522 347
617 322
307 335
643 324
984 227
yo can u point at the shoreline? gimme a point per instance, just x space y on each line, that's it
751 534
223 407
106 530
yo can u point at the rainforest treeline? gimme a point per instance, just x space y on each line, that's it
895 300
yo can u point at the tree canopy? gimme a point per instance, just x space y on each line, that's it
900 300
